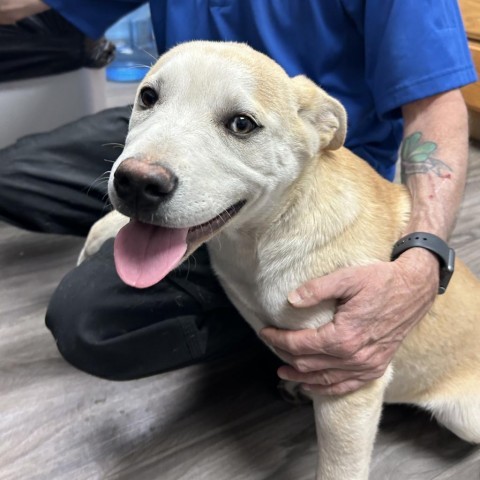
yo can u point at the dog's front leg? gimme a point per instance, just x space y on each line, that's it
346 428
105 228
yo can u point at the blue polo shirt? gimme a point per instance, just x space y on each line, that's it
372 55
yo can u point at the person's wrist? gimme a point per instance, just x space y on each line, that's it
432 243
423 268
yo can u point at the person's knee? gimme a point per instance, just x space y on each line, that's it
73 317
91 317
113 331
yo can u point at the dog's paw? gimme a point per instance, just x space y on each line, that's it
107 227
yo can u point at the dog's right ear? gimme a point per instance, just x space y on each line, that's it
321 112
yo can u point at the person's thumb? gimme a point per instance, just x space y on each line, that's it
335 285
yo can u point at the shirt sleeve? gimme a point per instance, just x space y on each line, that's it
414 49
93 17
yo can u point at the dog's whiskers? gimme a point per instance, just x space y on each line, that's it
188 267
107 205
114 144
137 65
150 55
100 180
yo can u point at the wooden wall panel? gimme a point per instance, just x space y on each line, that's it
471 17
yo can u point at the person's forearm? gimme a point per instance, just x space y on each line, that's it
12 11
434 157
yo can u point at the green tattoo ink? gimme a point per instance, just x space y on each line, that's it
416 157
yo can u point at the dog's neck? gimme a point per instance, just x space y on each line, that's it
322 203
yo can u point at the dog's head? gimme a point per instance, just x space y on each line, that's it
218 133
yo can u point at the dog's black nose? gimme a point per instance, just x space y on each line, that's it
143 184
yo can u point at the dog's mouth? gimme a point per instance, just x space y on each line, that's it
145 253
201 233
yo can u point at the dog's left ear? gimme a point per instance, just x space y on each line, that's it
322 112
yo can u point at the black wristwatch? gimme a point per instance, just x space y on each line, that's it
435 244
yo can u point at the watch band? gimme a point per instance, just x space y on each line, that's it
435 244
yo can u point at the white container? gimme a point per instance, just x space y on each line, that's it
42 104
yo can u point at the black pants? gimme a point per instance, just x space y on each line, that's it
56 183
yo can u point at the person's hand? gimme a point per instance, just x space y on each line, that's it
12 11
377 305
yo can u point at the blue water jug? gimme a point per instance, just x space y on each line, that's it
135 46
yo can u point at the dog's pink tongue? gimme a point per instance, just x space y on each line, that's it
144 254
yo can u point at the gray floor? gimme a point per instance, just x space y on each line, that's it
222 421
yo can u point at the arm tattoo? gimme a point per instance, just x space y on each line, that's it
417 158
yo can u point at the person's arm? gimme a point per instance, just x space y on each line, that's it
379 304
12 11
434 160
439 126
92 17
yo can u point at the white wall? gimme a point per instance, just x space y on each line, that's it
41 104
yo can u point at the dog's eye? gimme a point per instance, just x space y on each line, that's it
241 124
148 97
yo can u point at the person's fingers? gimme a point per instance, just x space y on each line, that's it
324 377
313 363
342 388
302 342
327 340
